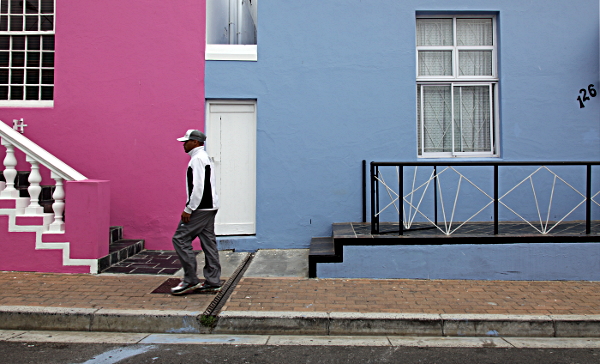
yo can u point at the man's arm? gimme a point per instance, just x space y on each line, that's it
197 188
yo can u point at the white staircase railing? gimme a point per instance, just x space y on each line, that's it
35 155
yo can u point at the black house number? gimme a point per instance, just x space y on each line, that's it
584 97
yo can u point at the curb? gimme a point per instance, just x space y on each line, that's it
104 320
457 325
298 323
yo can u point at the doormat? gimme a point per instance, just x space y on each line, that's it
166 286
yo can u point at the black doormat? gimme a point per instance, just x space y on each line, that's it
166 286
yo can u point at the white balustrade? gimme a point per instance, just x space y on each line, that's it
35 155
10 162
34 189
59 204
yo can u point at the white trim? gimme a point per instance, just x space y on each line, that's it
231 52
27 103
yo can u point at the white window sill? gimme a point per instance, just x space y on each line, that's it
231 52
26 103
461 155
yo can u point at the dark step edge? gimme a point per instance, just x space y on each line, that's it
114 257
116 234
323 250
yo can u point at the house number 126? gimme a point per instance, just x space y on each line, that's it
585 97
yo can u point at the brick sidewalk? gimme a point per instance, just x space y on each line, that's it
93 291
416 296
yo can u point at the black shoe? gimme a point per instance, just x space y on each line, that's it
184 288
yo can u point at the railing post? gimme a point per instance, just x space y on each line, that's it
34 188
58 206
364 190
374 200
10 162
401 198
588 200
495 199
435 195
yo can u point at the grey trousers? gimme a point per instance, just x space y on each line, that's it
201 225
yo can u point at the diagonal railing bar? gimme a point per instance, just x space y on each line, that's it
408 215
412 217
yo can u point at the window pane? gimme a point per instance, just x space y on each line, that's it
475 63
33 42
33 76
32 7
18 59
474 32
17 76
47 22
3 92
48 42
31 23
436 119
16 23
33 59
16 6
47 93
4 7
16 92
48 77
4 76
3 23
32 93
472 121
4 59
18 42
47 7
435 63
47 59
5 42
434 32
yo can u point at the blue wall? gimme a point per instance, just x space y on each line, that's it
335 84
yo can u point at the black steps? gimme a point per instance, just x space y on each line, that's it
119 249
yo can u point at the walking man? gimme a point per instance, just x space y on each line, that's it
198 219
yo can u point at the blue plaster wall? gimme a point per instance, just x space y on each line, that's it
544 261
335 84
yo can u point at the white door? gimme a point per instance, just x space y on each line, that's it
231 143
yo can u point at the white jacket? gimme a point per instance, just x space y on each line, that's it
201 191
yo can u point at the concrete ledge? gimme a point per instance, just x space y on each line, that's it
271 322
576 325
498 325
348 323
152 321
45 318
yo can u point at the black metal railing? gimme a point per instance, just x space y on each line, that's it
591 186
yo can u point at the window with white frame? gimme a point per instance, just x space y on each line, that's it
27 52
231 29
457 85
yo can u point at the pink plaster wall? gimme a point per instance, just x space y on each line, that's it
129 79
87 218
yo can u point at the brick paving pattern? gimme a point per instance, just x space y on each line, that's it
416 296
93 291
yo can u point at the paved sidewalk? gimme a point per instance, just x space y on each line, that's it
294 305
416 296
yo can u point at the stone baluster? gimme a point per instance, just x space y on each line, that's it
34 188
59 204
10 162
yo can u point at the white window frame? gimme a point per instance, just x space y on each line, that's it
231 52
33 103
457 80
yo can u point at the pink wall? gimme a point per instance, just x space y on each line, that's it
129 79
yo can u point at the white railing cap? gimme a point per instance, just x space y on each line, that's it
39 154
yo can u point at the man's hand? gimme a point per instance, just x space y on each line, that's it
185 217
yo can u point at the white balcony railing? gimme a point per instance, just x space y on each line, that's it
35 155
